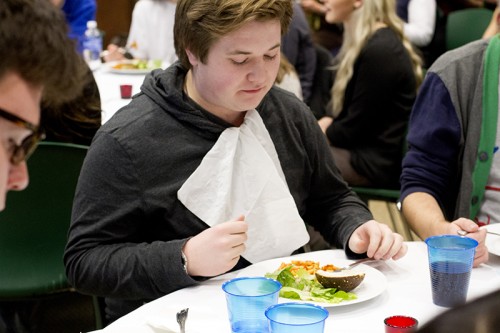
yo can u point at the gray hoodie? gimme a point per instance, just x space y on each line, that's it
128 227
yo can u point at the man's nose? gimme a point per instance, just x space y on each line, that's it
18 177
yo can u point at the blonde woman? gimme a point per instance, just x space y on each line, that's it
377 76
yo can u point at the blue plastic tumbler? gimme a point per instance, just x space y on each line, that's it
450 263
296 318
247 299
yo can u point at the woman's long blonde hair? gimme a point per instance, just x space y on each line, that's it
366 19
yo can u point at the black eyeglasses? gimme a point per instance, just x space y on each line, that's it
23 151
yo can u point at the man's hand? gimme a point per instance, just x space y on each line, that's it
112 53
378 241
217 249
469 228
324 123
313 6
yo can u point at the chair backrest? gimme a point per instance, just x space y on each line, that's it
466 25
34 225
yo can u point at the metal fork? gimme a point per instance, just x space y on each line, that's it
356 263
181 319
465 233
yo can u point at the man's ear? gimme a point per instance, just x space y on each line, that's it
193 60
357 4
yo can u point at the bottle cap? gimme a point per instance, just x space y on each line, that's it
91 24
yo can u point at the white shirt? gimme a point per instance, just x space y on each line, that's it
421 22
151 33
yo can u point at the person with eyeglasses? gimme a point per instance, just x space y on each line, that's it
49 69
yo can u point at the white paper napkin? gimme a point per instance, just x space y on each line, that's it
166 325
242 174
199 320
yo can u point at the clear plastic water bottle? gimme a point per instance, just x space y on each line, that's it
92 45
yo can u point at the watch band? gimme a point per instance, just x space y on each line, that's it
184 262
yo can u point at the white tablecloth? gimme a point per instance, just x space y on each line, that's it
408 293
109 89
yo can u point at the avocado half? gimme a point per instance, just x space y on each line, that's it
345 280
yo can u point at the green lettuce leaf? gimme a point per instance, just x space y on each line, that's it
305 287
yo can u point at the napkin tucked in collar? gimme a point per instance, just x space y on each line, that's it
242 174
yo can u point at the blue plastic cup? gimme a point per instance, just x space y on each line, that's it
450 263
296 318
247 299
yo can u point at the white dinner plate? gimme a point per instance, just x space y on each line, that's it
110 67
373 284
493 241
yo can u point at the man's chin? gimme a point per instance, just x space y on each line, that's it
251 105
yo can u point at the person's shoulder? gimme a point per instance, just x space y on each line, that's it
382 36
382 42
468 55
284 104
75 6
383 48
281 97
149 4
145 5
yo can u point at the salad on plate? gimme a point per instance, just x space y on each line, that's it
133 66
300 282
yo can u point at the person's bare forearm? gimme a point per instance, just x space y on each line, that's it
312 6
424 215
492 29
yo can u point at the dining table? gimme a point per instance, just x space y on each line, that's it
109 80
391 287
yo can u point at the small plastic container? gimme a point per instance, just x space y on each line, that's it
450 264
296 318
126 91
400 324
247 299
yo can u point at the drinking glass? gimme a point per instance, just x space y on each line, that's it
450 264
296 318
400 324
247 299
126 91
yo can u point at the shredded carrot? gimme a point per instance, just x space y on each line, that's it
310 266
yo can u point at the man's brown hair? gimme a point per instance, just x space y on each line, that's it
35 45
200 23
